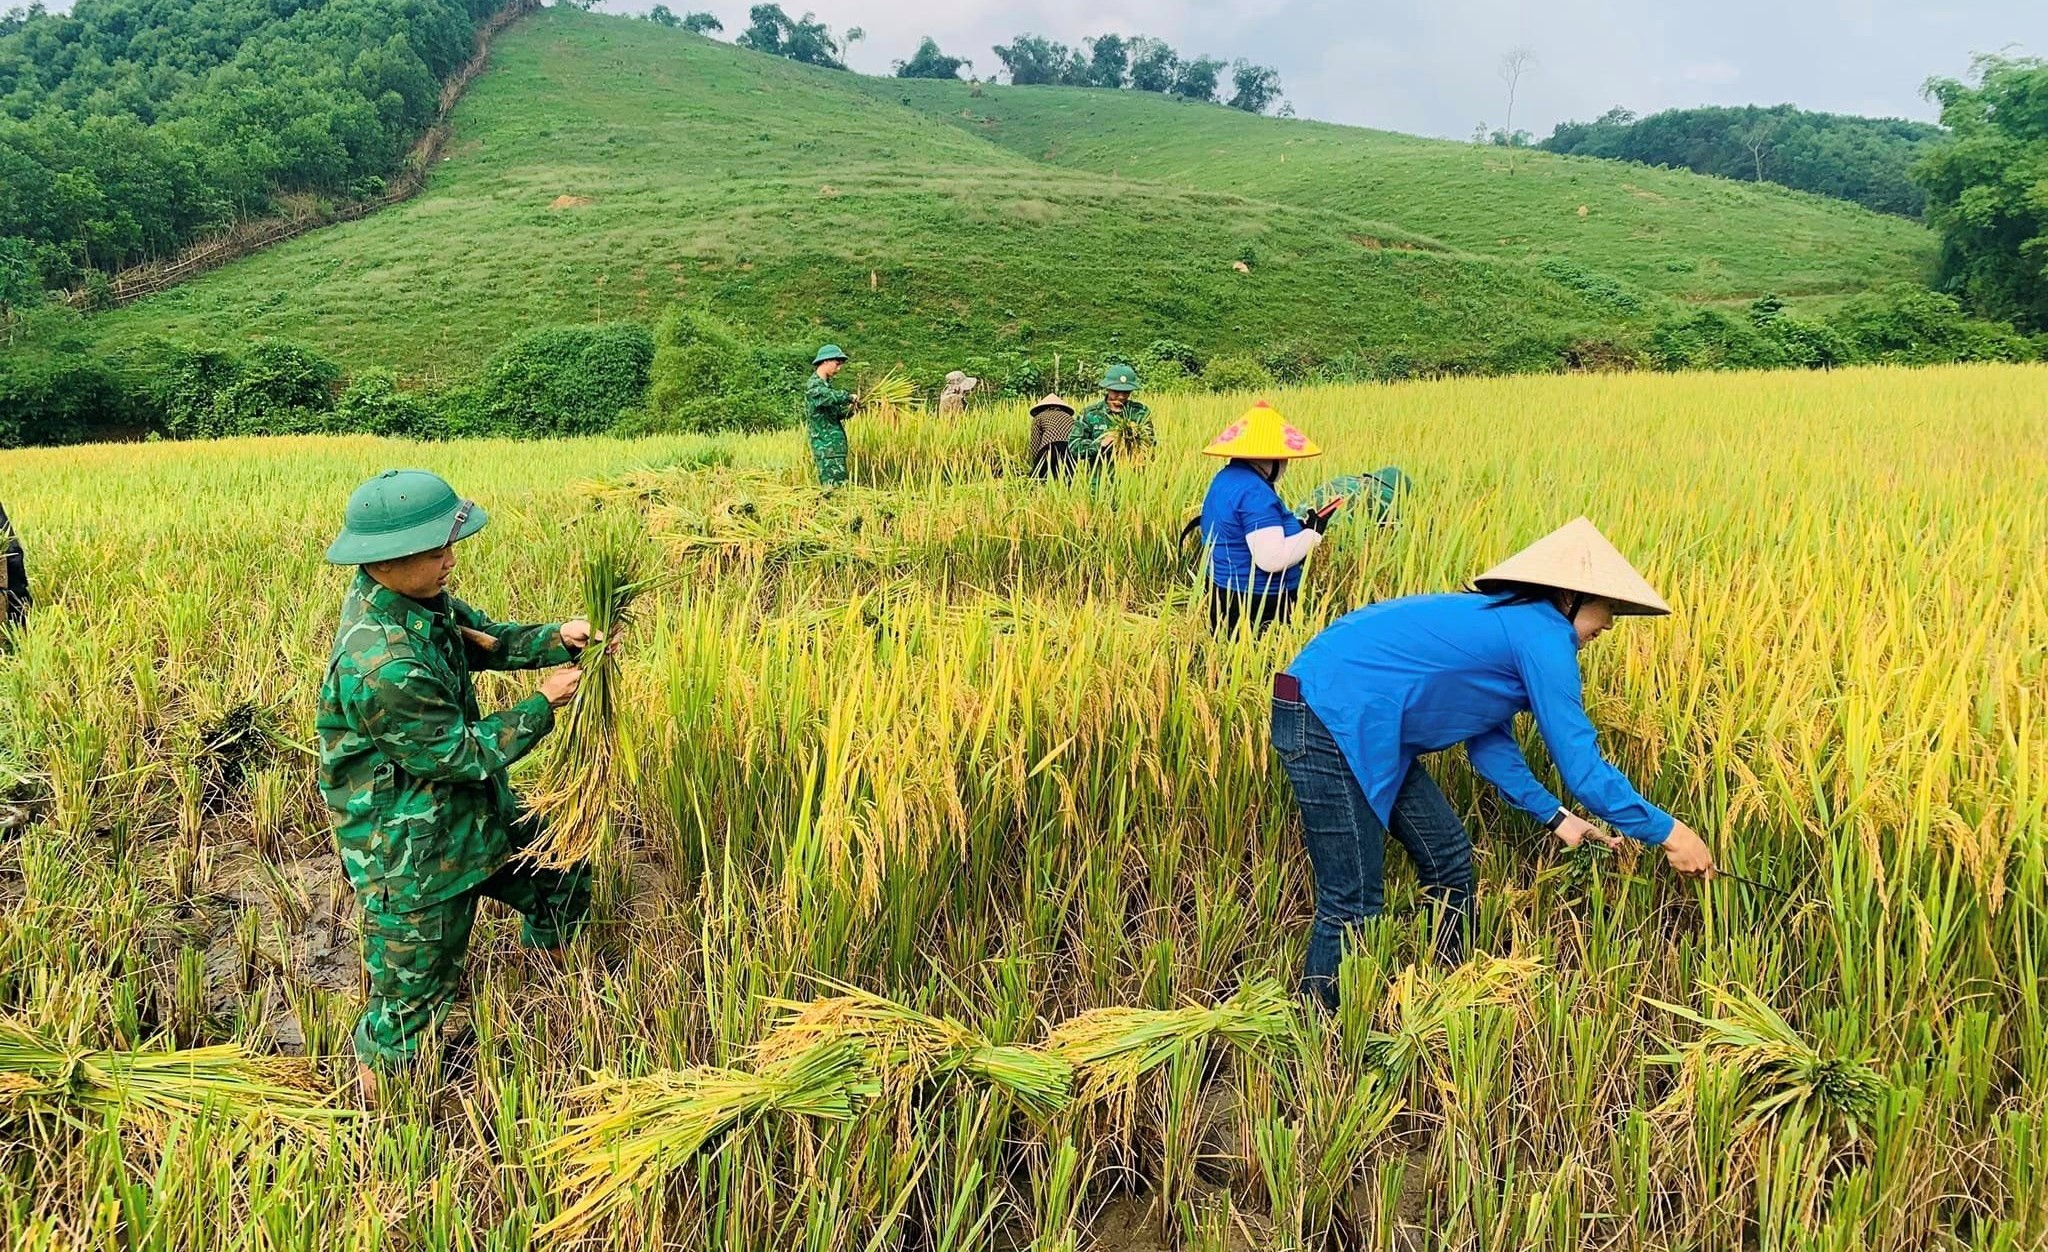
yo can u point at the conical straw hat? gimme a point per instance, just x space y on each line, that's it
1052 401
1262 435
1577 557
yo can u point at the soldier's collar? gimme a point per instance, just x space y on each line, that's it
416 616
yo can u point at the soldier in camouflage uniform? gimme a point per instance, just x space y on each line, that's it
826 409
1116 408
426 822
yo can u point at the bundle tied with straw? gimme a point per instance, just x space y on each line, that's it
576 795
1783 1076
1423 1003
639 1130
1128 440
906 1048
1112 1049
150 1086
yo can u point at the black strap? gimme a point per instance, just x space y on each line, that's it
461 516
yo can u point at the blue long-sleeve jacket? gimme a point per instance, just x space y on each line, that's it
1405 677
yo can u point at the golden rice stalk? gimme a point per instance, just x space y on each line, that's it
639 1130
578 791
1128 440
1112 1049
890 398
148 1087
1784 1077
1423 1003
906 1047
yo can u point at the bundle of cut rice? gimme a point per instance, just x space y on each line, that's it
1424 1002
906 1047
1112 1049
43 1075
639 1130
576 795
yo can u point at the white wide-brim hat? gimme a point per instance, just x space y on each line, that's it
1577 557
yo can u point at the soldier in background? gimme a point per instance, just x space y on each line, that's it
826 409
415 774
1090 443
14 568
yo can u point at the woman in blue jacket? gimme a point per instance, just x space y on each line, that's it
1394 681
1256 546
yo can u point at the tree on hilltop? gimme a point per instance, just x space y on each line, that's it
1109 61
702 24
1034 60
804 39
662 15
1987 188
1154 64
1255 87
1199 79
929 62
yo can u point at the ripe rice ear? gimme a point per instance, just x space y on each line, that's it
891 398
1423 1004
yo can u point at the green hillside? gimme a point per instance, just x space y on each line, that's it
603 168
1665 230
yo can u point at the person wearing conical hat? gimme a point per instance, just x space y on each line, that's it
1052 421
1390 683
953 399
1256 545
415 773
1117 411
826 408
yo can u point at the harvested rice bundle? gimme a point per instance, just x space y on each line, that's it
1784 1077
1112 1049
1128 440
149 1086
890 398
1423 1004
906 1047
577 793
641 1129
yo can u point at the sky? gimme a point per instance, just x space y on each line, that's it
1432 67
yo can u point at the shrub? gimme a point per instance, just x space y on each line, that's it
1597 288
374 405
1708 339
1236 373
705 377
573 380
280 388
1910 325
54 398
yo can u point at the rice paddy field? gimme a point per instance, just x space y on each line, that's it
949 896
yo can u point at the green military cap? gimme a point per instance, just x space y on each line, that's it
830 352
402 513
1119 378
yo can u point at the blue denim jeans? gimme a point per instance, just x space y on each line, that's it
1347 846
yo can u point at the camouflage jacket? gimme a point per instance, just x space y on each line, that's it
1095 421
825 404
416 778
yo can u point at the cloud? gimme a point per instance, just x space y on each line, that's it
1430 66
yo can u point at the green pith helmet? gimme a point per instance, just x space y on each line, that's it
402 513
830 352
1119 378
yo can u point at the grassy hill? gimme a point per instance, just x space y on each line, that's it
1668 231
603 168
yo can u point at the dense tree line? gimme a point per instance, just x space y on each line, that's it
1862 159
130 127
1138 63
1987 189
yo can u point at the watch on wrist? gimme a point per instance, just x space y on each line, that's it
1556 820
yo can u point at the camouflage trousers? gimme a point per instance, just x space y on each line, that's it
415 959
829 452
